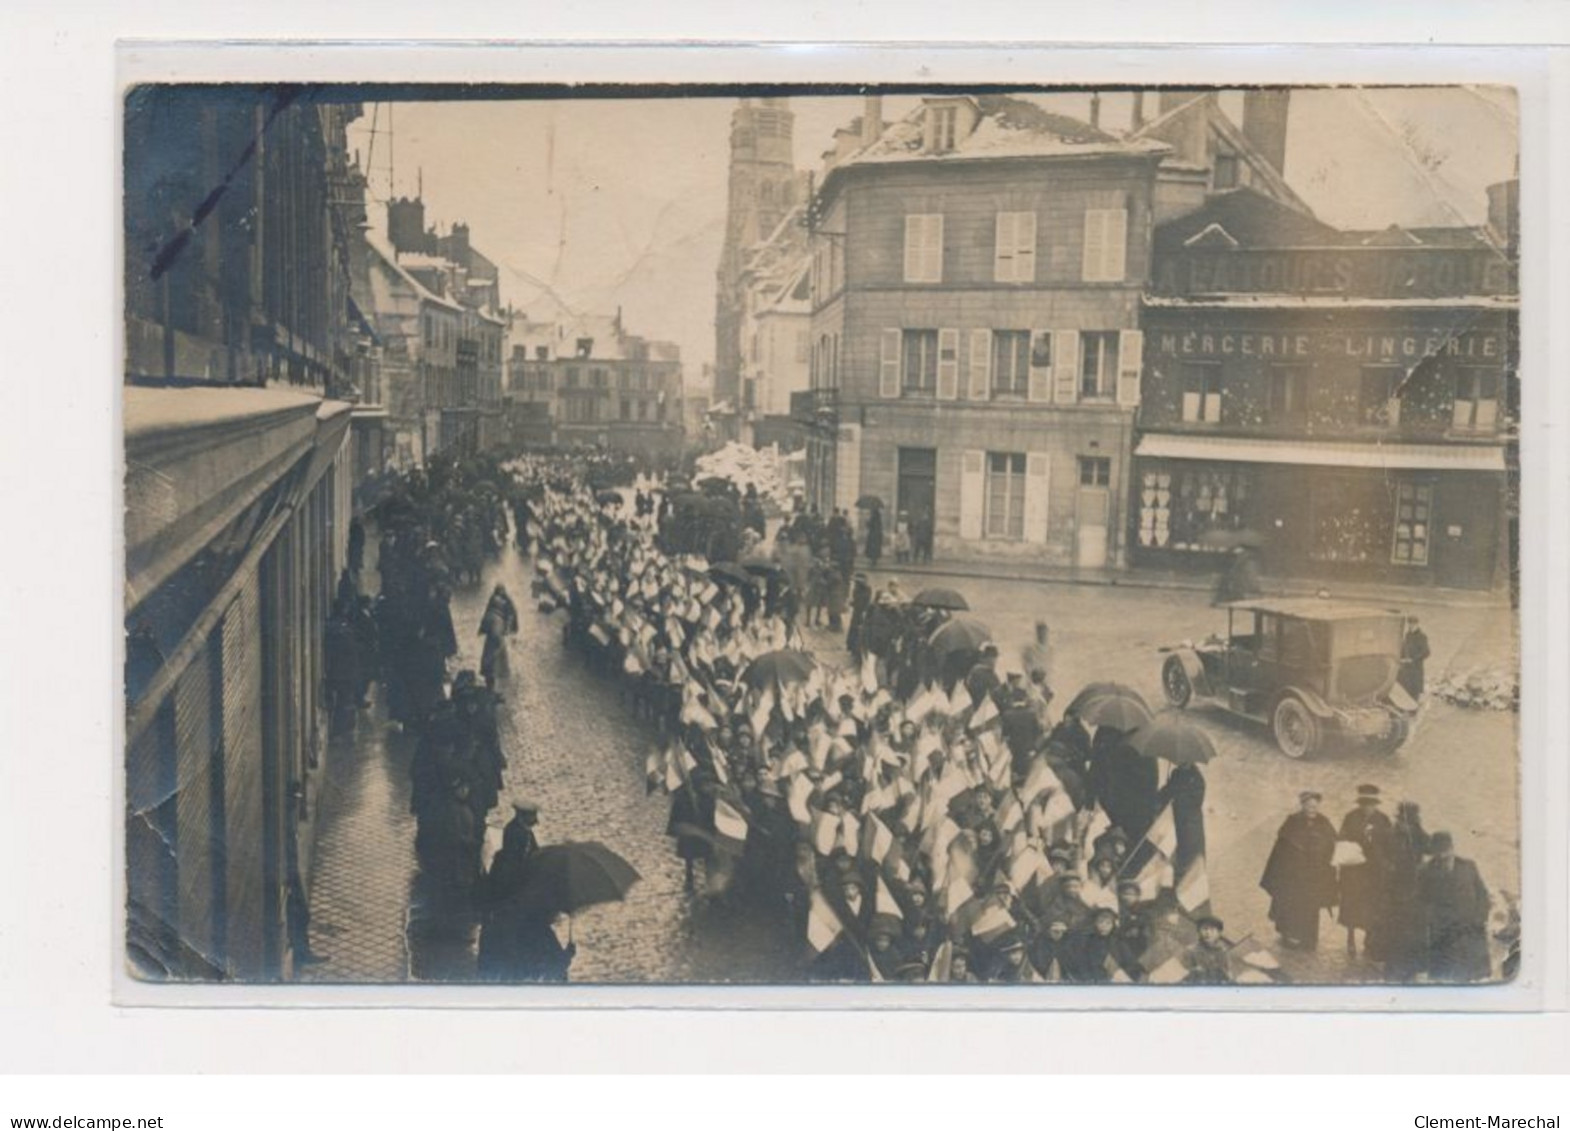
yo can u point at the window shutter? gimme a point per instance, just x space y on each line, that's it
980 365
948 365
972 493
1003 248
1025 248
1041 375
915 230
933 272
888 368
1487 414
1065 366
1115 263
1131 356
1461 413
1095 245
1037 493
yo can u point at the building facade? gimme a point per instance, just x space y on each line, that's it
240 334
598 385
976 344
776 333
1347 399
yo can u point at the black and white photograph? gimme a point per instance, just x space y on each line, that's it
804 535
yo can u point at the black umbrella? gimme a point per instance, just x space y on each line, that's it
573 875
1173 738
762 567
1104 690
730 572
869 502
787 665
608 496
1120 712
960 635
940 598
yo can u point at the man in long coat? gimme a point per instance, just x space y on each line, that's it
1363 885
1455 905
1299 876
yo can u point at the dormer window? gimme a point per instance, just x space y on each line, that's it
585 347
942 128
1226 173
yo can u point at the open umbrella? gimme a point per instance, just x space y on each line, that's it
960 635
608 496
1119 712
869 502
940 598
730 572
1104 690
1172 737
576 874
762 567
785 666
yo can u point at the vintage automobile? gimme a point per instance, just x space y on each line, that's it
1309 669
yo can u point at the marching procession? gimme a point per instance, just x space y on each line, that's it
917 811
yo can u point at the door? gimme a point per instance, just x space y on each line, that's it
916 497
1092 509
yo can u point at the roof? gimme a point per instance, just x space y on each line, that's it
1325 453
389 258
1251 219
1007 127
150 410
1310 608
1171 127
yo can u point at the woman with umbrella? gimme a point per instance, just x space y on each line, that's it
562 879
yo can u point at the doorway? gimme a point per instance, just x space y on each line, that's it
1091 511
916 497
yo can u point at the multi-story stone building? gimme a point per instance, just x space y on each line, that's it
240 214
597 385
1345 399
976 352
776 332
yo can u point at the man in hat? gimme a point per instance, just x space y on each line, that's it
1414 654
1455 907
1362 896
1021 729
1207 961
1298 876
1051 950
1036 657
860 602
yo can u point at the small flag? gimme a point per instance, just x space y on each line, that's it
825 832
794 763
673 774
1163 833
1011 814
1250 951
985 713
800 791
1171 972
869 674
992 922
877 840
1155 875
1115 970
886 904
1025 867
729 824
960 701
850 832
1193 886
823 925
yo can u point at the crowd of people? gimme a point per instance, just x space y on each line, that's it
1421 910
915 810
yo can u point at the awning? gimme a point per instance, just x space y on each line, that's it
1321 453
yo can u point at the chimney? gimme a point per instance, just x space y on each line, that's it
1504 213
1137 115
1265 124
872 119
1095 110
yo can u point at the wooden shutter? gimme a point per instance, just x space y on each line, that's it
915 231
972 493
948 365
932 259
1095 245
888 366
1131 355
1037 493
1065 366
1115 257
980 365
1003 247
1025 247
1041 375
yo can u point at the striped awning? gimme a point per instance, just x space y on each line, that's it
1326 453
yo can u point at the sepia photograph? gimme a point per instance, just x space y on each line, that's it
821 535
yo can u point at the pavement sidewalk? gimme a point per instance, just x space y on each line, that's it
1390 595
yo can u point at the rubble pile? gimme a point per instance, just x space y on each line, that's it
1481 689
744 467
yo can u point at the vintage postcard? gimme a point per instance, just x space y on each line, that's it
784 536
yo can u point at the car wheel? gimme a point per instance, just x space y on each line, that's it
1295 728
1392 740
1175 683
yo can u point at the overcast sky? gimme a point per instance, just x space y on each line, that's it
595 204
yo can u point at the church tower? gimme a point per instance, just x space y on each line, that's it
763 188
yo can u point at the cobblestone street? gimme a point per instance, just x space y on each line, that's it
577 750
